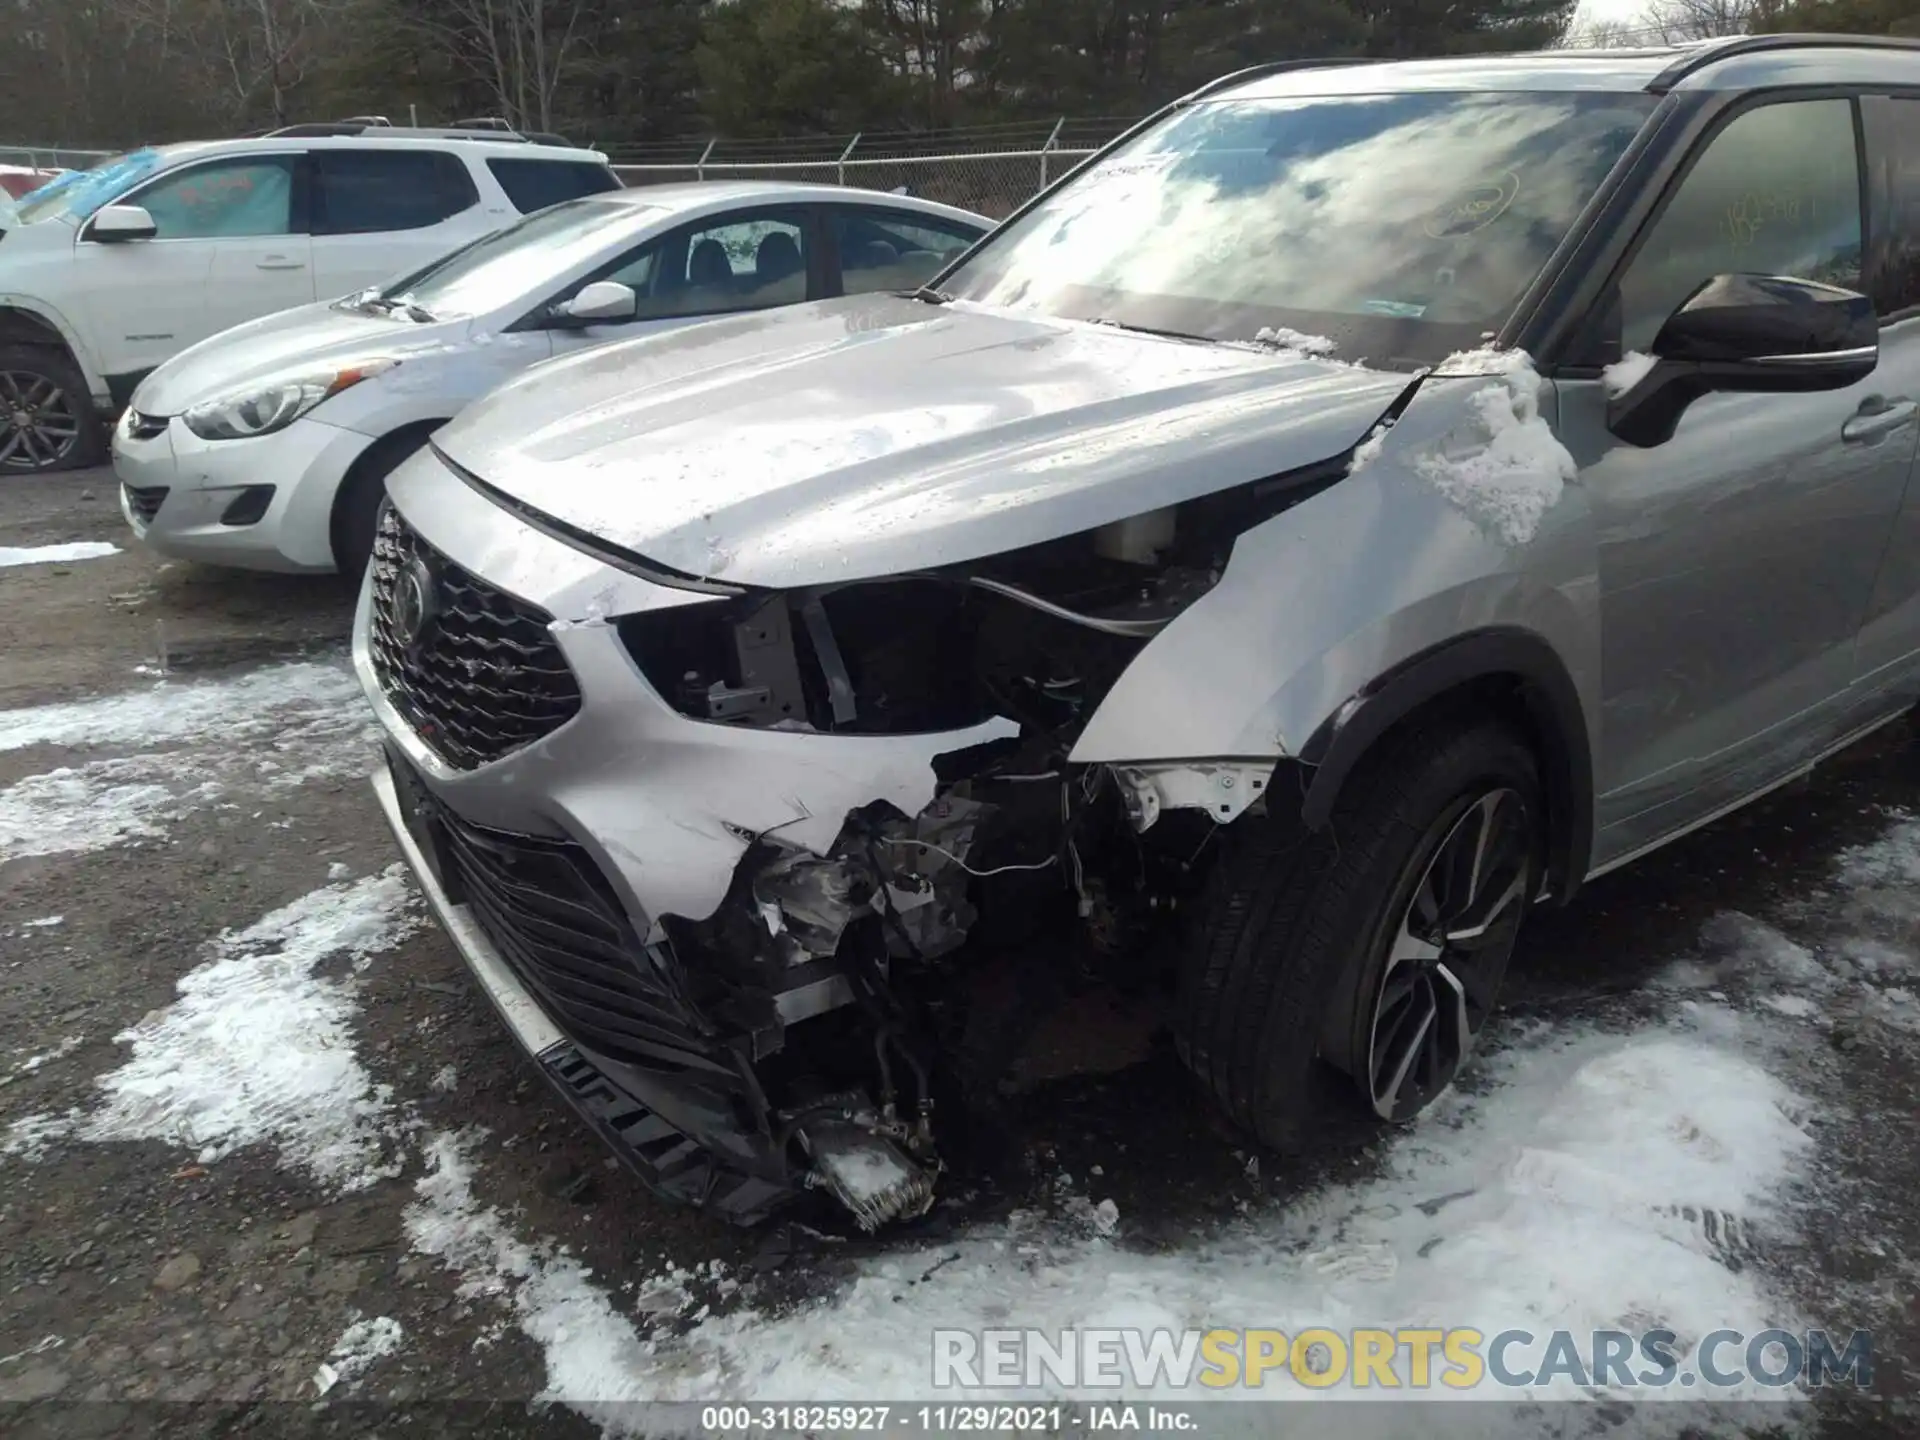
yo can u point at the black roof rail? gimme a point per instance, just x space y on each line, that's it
1274 67
483 122
317 128
1698 57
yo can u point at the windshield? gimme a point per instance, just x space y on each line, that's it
1400 227
78 193
529 255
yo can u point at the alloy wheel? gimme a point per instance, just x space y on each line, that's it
1449 951
39 422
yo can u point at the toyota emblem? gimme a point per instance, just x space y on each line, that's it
416 600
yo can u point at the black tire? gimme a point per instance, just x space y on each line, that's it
47 419
356 509
1281 988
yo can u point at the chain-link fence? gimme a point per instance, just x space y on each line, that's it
989 169
51 157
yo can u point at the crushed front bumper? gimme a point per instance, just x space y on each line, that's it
612 1098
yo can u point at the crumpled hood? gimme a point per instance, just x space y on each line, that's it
312 337
876 435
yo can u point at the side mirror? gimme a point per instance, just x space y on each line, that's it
602 300
113 224
1765 333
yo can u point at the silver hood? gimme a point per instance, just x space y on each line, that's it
312 337
876 435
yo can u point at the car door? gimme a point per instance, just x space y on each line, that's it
1735 560
378 213
1888 660
230 244
753 258
875 247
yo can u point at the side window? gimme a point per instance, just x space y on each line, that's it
535 184
251 195
360 192
1776 192
746 261
1893 140
888 250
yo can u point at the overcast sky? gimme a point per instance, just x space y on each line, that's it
1622 10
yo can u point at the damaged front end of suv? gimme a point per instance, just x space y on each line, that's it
786 712
776 880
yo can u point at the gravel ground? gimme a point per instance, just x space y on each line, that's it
176 1228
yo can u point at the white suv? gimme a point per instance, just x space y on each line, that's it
105 273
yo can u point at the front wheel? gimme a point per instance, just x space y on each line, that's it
1341 979
47 420
356 510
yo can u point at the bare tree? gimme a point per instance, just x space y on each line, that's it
1677 20
521 50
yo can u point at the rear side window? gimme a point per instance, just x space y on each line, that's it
359 192
535 184
891 250
1893 142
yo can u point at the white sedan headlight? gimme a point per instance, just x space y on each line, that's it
274 404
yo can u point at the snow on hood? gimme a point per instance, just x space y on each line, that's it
312 337
878 435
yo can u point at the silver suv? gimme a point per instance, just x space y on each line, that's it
1359 503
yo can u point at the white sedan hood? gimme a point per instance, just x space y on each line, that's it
311 337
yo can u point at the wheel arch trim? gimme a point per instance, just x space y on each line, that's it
47 318
1543 686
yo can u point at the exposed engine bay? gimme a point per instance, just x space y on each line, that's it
889 982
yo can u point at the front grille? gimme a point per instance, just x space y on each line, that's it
144 501
553 918
145 427
481 676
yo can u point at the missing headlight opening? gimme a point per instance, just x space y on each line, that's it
899 973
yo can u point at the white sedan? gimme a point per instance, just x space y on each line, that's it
268 446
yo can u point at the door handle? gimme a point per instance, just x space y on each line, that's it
279 262
1877 418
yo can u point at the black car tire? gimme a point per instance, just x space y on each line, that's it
42 385
1282 987
356 510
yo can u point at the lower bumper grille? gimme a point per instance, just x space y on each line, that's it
554 921
144 501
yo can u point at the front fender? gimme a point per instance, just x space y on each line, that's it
1320 602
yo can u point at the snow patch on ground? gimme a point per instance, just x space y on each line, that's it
45 922
258 1048
55 554
263 732
362 1343
251 706
1625 373
1629 1142
593 1354
93 806
33 1062
1503 466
